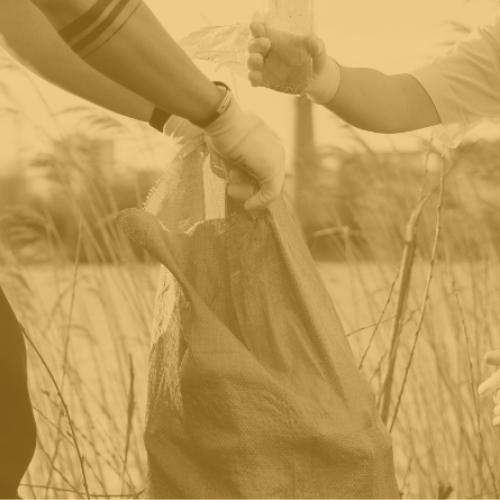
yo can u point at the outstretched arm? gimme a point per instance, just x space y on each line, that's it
388 104
123 40
31 40
365 98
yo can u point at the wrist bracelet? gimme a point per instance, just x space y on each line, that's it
220 108
158 119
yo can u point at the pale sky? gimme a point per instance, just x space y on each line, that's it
389 35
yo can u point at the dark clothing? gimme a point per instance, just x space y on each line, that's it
17 425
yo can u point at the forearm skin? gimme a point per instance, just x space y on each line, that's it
31 40
388 104
144 58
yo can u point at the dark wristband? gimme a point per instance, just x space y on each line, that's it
159 119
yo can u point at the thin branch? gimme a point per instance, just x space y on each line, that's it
426 296
66 412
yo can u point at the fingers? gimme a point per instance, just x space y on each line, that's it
496 398
257 17
493 382
255 62
316 49
240 192
490 385
256 79
238 176
496 410
261 45
268 193
258 29
493 357
314 45
258 49
259 201
257 26
241 187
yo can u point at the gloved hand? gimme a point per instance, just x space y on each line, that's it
241 186
326 72
247 143
492 384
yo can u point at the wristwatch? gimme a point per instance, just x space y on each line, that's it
220 108
159 117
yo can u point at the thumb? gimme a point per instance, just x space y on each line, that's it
490 385
316 49
263 198
493 357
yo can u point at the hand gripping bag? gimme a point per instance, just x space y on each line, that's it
253 389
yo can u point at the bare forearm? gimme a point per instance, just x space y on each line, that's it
140 55
371 100
32 41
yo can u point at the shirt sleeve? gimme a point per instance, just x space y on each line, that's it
464 83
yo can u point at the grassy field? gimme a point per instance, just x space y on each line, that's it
416 282
90 326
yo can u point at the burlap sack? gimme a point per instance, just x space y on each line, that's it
253 389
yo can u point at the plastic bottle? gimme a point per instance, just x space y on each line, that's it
288 67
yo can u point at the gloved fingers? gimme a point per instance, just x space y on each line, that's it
255 62
268 193
261 45
496 421
239 176
490 385
255 78
258 202
493 357
496 411
240 192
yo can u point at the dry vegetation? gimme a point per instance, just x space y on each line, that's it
415 277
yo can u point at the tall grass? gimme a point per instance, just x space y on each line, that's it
414 278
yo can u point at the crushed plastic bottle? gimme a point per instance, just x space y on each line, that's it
288 66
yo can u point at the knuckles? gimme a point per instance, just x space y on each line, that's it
259 45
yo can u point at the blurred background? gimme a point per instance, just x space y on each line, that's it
48 134
404 232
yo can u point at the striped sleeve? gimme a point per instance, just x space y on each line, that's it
96 26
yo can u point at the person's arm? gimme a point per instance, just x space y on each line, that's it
30 39
123 40
364 98
388 104
127 56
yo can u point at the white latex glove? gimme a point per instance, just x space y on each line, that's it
492 384
248 143
241 187
326 72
